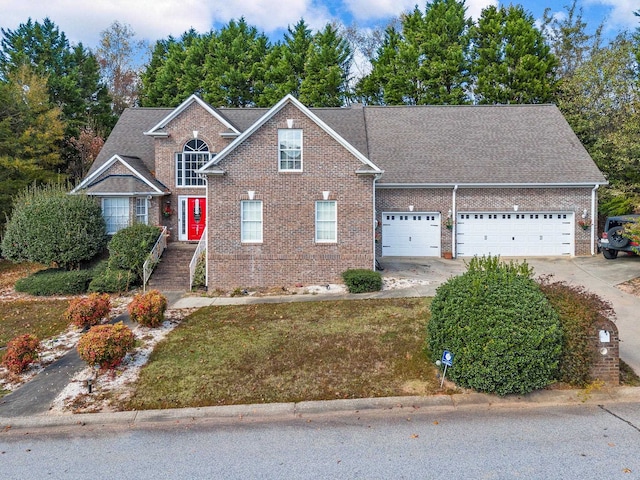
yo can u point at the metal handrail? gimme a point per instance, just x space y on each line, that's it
202 247
154 258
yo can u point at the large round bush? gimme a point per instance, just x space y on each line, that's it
504 335
49 226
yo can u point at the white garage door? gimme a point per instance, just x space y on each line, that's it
515 234
411 234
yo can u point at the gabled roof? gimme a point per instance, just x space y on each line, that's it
157 129
477 145
290 100
145 183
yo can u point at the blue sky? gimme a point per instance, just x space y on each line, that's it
83 21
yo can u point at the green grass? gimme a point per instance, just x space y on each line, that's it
290 352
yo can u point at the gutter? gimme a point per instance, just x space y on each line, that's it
489 185
376 177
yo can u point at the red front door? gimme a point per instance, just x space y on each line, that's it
196 216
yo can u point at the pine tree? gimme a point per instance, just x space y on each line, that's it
511 61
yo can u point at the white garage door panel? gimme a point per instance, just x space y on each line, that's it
410 234
515 234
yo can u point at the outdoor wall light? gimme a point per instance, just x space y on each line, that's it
449 213
585 213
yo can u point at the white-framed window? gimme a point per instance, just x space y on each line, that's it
326 221
290 150
193 156
251 221
116 213
142 210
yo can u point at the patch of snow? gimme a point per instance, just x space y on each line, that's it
392 283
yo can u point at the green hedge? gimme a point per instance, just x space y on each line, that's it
128 249
505 336
55 282
113 280
362 280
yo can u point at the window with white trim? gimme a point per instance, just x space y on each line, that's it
142 210
326 221
193 156
290 150
251 221
116 213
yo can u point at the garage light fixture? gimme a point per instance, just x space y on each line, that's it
585 213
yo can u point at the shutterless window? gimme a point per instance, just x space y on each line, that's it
193 156
251 220
142 212
290 150
116 213
326 222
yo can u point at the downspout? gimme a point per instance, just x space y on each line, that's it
455 224
373 237
594 217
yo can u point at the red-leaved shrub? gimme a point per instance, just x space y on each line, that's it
148 308
21 352
106 345
88 311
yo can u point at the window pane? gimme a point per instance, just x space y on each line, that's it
194 155
116 213
326 222
251 222
290 149
141 211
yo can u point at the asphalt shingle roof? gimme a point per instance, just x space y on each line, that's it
503 144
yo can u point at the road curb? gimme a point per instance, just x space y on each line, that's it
268 411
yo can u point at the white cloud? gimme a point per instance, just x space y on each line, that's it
377 9
621 14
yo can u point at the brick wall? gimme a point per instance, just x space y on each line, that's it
289 253
180 131
490 199
606 365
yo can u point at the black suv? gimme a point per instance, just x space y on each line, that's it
612 240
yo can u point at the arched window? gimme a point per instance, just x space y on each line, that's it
193 156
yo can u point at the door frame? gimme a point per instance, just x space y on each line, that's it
183 217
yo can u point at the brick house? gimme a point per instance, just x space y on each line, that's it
297 195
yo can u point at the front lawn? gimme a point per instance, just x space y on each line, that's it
42 318
290 352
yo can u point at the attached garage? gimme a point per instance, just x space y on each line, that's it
513 234
411 234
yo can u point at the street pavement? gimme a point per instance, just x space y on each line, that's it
29 404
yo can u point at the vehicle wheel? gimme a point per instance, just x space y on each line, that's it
609 254
615 237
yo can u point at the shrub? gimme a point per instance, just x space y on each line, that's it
504 334
148 308
49 226
579 311
86 312
362 280
129 248
112 280
55 281
21 352
200 274
106 345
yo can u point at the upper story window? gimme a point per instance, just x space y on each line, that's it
290 150
193 156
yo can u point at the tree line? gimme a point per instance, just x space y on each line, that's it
58 102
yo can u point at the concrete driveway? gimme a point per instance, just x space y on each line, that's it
596 274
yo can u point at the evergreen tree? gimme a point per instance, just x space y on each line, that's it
233 70
285 65
326 74
511 61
